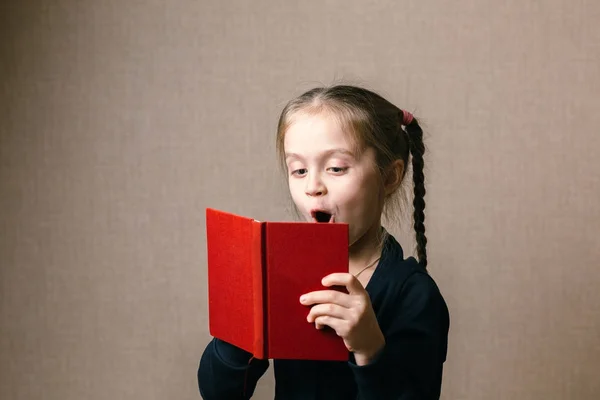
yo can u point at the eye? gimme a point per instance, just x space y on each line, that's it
338 170
299 172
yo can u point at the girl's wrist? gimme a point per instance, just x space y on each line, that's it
367 356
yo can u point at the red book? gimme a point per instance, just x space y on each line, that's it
257 272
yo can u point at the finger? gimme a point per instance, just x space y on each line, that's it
344 279
337 324
332 310
325 296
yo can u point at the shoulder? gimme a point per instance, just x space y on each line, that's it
413 310
396 273
419 293
410 285
404 291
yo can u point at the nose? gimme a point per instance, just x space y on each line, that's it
315 186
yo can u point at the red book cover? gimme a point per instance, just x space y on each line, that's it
257 272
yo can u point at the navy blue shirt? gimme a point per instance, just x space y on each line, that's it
414 319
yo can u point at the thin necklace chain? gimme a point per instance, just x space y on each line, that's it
377 259
367 267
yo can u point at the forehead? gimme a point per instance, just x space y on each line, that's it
314 133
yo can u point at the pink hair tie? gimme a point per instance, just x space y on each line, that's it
407 118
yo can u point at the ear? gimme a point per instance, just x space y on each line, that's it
394 174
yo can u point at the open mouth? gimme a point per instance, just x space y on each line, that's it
322 216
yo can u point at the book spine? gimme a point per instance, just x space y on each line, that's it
259 290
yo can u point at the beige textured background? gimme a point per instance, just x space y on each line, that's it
121 121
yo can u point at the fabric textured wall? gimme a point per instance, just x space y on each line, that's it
121 121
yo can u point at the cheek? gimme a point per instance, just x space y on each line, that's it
364 197
295 191
354 202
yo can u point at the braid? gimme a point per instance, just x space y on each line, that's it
417 149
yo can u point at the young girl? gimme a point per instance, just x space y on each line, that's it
346 150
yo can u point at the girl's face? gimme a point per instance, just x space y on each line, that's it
328 181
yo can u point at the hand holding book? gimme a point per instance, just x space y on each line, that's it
350 315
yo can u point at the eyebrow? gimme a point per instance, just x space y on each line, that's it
326 153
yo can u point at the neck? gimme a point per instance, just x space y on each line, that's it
366 249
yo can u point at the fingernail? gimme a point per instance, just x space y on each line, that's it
302 299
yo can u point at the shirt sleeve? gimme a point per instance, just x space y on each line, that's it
227 372
410 365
